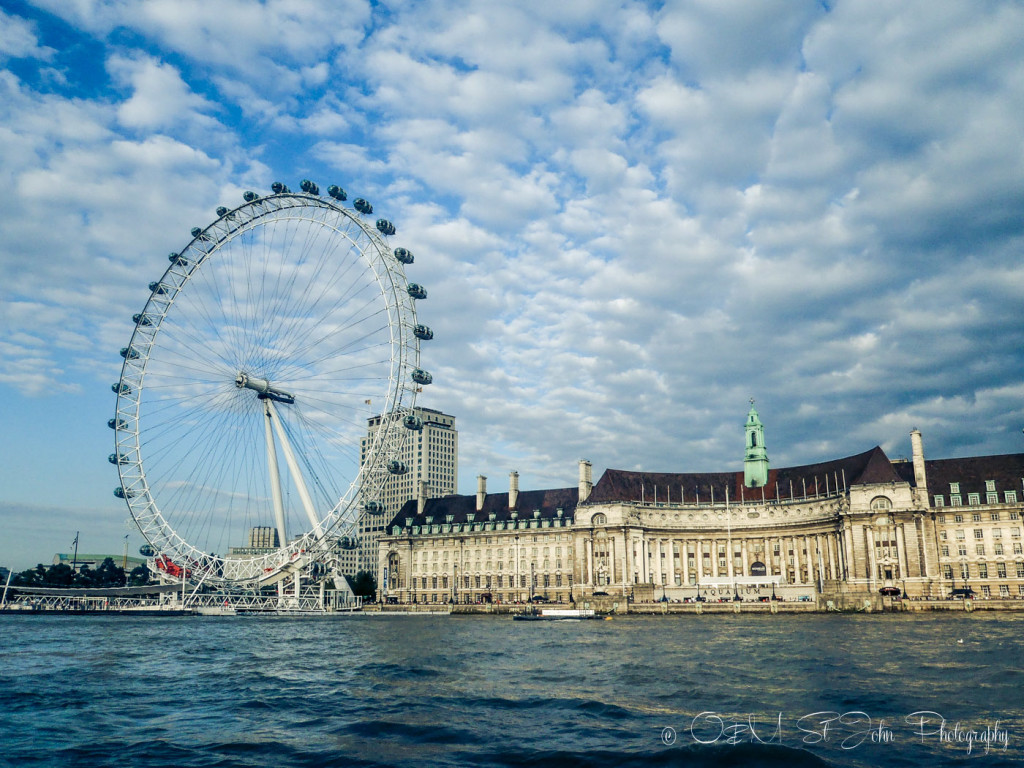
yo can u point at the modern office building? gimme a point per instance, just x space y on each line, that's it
431 458
843 529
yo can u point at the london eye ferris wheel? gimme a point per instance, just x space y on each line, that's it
262 351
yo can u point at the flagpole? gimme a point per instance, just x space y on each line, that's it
74 562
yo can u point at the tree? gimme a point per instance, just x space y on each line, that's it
60 575
139 577
363 585
109 574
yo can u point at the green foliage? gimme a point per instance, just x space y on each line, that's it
108 574
363 585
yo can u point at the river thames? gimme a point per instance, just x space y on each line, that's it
372 690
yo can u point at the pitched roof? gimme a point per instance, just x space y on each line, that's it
1005 470
871 466
547 502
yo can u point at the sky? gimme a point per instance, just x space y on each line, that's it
630 219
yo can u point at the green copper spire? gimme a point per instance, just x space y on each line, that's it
755 460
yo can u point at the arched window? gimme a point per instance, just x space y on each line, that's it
753 439
881 504
599 519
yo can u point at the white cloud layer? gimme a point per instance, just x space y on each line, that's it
630 221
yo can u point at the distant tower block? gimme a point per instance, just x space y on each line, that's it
755 460
264 537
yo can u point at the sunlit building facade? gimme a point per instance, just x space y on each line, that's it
841 529
431 456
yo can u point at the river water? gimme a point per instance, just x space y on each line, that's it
372 690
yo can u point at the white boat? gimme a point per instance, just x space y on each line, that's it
556 614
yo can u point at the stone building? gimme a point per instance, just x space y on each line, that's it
852 526
430 455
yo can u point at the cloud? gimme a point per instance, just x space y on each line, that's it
629 221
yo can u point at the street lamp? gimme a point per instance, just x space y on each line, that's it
455 583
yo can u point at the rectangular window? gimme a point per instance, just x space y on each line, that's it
997 548
958 518
997 533
979 549
1020 571
1001 570
942 535
960 534
979 533
990 485
954 501
992 498
986 590
940 502
965 571
1010 497
954 487
1004 590
961 550
947 573
974 499
945 550
982 570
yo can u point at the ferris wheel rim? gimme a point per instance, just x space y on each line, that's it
136 490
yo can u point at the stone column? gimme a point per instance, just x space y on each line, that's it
796 559
850 566
684 547
869 535
590 562
901 539
745 558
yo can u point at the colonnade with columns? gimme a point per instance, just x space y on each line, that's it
627 556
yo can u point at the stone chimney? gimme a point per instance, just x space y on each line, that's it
920 478
421 497
586 480
513 489
481 492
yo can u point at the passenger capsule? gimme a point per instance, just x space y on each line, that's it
222 211
337 193
422 377
196 231
141 319
115 459
158 288
278 188
129 353
385 227
396 467
250 197
374 507
422 332
121 389
177 259
415 423
121 493
417 291
116 423
362 206
146 550
309 187
404 255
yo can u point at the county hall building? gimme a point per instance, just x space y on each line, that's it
845 529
